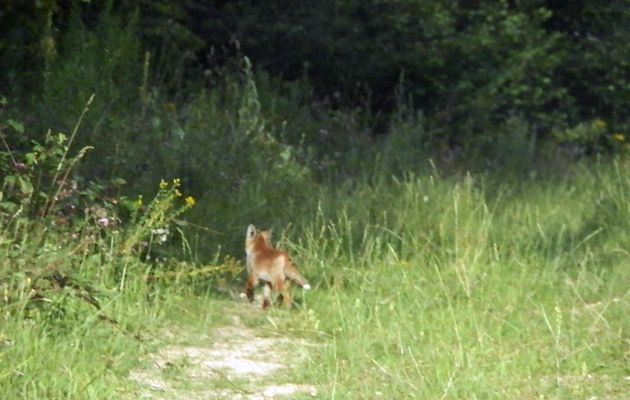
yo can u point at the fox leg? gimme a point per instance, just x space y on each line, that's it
282 286
286 296
266 295
252 282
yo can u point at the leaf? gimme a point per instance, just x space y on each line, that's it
31 158
8 206
84 150
18 126
285 154
10 180
116 182
26 186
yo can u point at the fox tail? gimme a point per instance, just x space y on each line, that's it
294 276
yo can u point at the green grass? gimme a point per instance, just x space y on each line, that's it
424 287
520 294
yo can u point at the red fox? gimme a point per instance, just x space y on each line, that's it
272 266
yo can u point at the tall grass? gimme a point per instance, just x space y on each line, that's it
426 286
79 309
429 287
82 282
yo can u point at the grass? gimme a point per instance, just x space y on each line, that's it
425 287
520 294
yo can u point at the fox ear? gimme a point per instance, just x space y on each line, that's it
266 235
251 230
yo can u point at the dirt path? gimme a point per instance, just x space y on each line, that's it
235 363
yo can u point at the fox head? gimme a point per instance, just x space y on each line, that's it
253 234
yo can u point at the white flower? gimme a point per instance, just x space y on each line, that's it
161 234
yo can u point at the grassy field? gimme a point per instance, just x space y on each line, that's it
469 289
460 287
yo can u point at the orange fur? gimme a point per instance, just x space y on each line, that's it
270 265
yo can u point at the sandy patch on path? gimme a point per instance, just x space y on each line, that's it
237 365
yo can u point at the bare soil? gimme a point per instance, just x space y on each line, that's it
236 363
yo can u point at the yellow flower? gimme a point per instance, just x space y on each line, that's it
178 193
190 201
176 182
620 137
139 201
163 184
599 123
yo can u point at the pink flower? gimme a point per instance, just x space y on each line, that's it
103 221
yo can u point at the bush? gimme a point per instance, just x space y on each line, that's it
67 243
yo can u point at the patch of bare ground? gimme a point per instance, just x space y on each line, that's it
236 364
